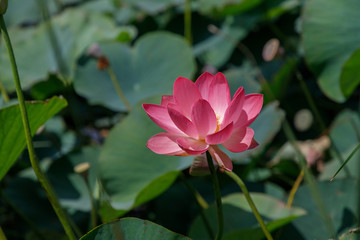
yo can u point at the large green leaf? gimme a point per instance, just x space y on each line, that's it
75 31
132 229
331 33
26 11
12 138
130 172
149 68
244 76
217 49
186 209
239 219
152 6
341 202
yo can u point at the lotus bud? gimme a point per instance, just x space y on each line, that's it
3 6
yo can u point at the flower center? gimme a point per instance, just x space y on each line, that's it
219 119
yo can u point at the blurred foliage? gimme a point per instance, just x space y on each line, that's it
94 151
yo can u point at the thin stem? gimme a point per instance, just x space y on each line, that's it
33 159
199 199
93 213
93 209
4 93
291 137
243 188
310 100
118 89
216 186
333 149
187 21
309 179
353 123
295 188
200 203
63 69
2 234
348 159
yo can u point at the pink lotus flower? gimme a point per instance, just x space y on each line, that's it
201 115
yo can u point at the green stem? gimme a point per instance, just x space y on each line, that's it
118 89
200 203
353 123
216 186
199 199
33 159
310 100
243 188
295 188
93 208
187 21
348 159
291 137
93 213
333 149
4 93
309 179
2 234
61 65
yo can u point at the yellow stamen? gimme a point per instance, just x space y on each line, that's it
219 120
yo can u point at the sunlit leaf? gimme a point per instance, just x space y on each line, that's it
330 36
350 75
12 136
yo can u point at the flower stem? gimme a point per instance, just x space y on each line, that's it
33 159
295 188
309 178
200 203
118 88
243 188
216 186
333 149
93 213
54 42
187 21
